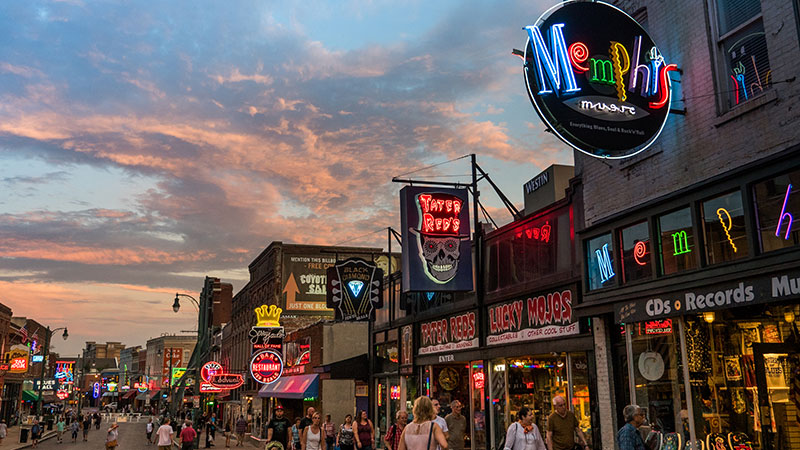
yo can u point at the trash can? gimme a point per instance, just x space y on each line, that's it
49 424
23 435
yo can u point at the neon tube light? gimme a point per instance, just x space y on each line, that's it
726 226
560 60
785 214
639 251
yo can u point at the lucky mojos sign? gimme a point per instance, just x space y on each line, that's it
597 79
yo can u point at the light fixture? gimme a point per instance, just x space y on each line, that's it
709 316
177 305
65 335
788 315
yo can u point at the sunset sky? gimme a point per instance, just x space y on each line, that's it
145 145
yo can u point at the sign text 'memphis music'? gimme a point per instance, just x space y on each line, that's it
555 308
461 328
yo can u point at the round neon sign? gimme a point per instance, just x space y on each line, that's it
597 79
210 368
62 394
266 367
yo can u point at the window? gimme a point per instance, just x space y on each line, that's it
635 252
743 45
676 242
724 228
777 205
600 262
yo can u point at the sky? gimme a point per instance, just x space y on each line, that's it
145 145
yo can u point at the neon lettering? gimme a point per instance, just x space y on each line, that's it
622 64
665 83
785 214
608 107
425 202
726 225
680 243
639 251
738 80
552 67
604 264
578 54
656 62
639 69
604 68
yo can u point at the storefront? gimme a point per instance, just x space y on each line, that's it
706 310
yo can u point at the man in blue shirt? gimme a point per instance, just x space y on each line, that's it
628 436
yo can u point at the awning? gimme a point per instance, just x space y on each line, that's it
110 394
347 369
29 396
296 387
128 395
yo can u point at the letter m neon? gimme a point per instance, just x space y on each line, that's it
604 264
553 64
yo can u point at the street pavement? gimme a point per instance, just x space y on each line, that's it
131 437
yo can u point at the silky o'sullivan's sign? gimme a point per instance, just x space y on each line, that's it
597 79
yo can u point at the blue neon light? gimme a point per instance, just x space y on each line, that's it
785 214
604 264
555 66
355 287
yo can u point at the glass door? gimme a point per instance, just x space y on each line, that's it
478 409
777 370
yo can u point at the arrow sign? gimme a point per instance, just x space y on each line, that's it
290 289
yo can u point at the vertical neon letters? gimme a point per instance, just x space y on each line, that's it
639 69
726 225
665 83
639 251
553 66
604 264
786 215
622 64
680 242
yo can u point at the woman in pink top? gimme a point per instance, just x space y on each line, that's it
422 434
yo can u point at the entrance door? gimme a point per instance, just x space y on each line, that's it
777 370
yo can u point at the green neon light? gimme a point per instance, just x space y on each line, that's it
680 242
602 67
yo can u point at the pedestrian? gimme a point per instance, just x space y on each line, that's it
562 426
258 424
36 431
60 425
278 428
423 433
330 432
188 435
456 426
524 434
97 420
111 437
296 434
241 429
210 431
164 435
87 423
3 431
365 430
628 436
439 420
74 426
306 421
228 430
392 438
312 435
346 438
149 430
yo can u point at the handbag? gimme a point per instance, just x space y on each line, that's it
430 435
111 444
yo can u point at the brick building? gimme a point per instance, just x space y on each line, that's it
693 307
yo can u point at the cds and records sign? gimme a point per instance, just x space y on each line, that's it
597 79
355 289
436 242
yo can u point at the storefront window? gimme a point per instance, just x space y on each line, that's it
600 262
580 393
676 245
777 205
724 228
497 376
635 249
478 425
534 381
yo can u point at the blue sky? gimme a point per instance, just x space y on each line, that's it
145 145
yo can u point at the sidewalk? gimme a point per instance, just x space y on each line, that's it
11 442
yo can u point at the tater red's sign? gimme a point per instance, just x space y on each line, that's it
456 332
266 367
533 318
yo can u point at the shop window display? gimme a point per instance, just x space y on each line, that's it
635 249
580 393
676 242
724 228
533 382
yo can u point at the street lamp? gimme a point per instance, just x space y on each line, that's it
45 352
176 305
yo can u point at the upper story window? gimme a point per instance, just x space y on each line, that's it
743 46
676 242
724 228
600 271
777 206
635 252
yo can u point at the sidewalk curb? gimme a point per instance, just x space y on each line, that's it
48 435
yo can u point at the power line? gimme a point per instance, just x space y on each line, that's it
431 166
359 237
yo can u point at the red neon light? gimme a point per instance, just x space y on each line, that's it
578 53
664 92
19 364
394 393
440 214
227 380
639 251
478 380
62 394
210 368
658 327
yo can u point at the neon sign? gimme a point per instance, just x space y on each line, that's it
785 215
226 380
478 380
604 264
19 364
266 367
394 393
62 394
614 77
727 224
210 368
639 252
96 390
658 327
680 242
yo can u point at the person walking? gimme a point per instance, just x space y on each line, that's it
330 432
278 428
149 428
210 430
111 437
524 434
456 426
423 433
365 430
60 425
241 429
345 440
562 426
97 420
87 423
296 434
392 437
312 435
306 421
188 435
228 431
36 431
164 435
628 437
74 426
3 431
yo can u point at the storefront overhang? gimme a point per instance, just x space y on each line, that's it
347 369
29 396
449 357
293 387
128 395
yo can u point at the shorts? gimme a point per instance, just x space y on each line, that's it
164 447
149 435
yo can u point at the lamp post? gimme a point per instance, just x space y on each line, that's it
46 351
170 353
